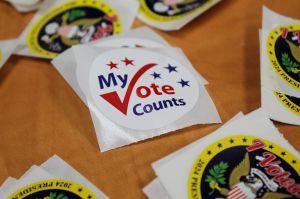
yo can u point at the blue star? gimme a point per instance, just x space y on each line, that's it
184 83
156 75
171 68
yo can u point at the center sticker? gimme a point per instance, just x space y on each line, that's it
283 46
245 167
74 22
53 189
140 89
170 10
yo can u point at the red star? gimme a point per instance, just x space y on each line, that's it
112 65
128 61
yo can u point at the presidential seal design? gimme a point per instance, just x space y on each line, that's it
170 10
283 48
141 89
53 189
289 102
74 22
245 167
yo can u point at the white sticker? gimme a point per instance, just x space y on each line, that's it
140 89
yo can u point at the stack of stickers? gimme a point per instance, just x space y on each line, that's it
54 179
26 6
280 67
246 158
136 86
172 14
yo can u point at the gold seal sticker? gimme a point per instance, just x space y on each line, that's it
245 167
283 48
71 23
172 10
289 102
53 189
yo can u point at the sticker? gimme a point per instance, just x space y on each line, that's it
171 10
71 23
283 48
289 102
140 89
53 189
259 169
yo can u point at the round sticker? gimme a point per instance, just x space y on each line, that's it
245 167
53 189
170 10
129 42
283 48
71 23
140 89
289 102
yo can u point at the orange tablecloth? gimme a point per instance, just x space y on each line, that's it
41 115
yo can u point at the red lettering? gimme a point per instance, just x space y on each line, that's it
285 32
287 182
155 89
143 95
144 91
257 144
268 161
168 89
282 176
295 190
273 170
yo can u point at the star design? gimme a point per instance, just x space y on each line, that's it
294 161
220 145
128 61
271 147
208 152
89 197
231 141
184 83
156 75
283 153
171 68
80 190
112 65
244 139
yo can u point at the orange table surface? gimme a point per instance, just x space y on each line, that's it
41 115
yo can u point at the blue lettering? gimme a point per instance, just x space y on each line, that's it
111 80
135 111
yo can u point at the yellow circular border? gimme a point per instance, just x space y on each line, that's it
1 56
282 97
85 193
147 13
32 38
205 158
271 41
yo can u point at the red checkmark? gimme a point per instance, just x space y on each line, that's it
113 97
